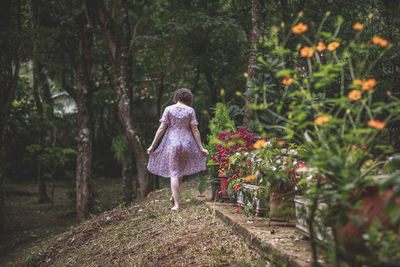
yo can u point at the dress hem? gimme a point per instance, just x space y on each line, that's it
185 174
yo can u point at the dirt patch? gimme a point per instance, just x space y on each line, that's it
150 234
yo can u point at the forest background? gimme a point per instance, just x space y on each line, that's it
121 62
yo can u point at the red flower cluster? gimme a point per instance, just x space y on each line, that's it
237 187
238 208
236 141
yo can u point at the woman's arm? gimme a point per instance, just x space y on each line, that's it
159 133
196 135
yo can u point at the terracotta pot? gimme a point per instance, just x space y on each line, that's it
372 207
281 208
223 179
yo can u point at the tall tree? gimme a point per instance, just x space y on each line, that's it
40 85
120 40
10 59
255 35
84 95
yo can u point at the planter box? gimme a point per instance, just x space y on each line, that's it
281 208
259 200
322 233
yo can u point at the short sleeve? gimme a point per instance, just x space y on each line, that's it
165 116
194 120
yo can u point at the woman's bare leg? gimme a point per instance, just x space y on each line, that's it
172 195
175 192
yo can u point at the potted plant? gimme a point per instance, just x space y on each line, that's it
276 163
221 122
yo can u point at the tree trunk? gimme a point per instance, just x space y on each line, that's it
133 134
211 85
3 127
41 183
84 95
9 73
255 34
126 181
38 81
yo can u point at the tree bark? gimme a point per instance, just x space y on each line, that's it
9 73
39 81
211 85
84 95
9 82
127 181
255 35
133 134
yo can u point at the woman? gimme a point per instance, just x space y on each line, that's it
180 151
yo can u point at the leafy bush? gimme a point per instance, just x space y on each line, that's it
328 102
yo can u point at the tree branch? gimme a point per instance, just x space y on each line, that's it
105 22
113 9
133 38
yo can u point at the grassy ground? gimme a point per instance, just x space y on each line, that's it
147 234
28 222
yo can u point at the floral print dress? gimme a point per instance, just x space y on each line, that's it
178 153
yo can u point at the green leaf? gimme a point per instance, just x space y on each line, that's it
326 34
203 185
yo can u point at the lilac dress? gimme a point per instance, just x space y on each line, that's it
178 153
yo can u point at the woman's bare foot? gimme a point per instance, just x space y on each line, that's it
175 208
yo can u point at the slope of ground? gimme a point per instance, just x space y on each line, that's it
149 234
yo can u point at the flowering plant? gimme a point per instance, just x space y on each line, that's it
330 102
230 143
275 163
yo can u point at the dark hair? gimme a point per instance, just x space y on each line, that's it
184 95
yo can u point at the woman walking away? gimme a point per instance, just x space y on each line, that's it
180 151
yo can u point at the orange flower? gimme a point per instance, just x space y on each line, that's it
376 124
355 95
376 40
358 82
281 143
332 46
287 81
307 51
299 28
259 144
321 120
358 26
368 84
321 47
250 178
388 92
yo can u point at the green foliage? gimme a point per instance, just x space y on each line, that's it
203 185
121 148
315 106
221 122
383 245
390 181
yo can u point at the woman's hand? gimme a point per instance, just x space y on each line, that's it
150 150
204 151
